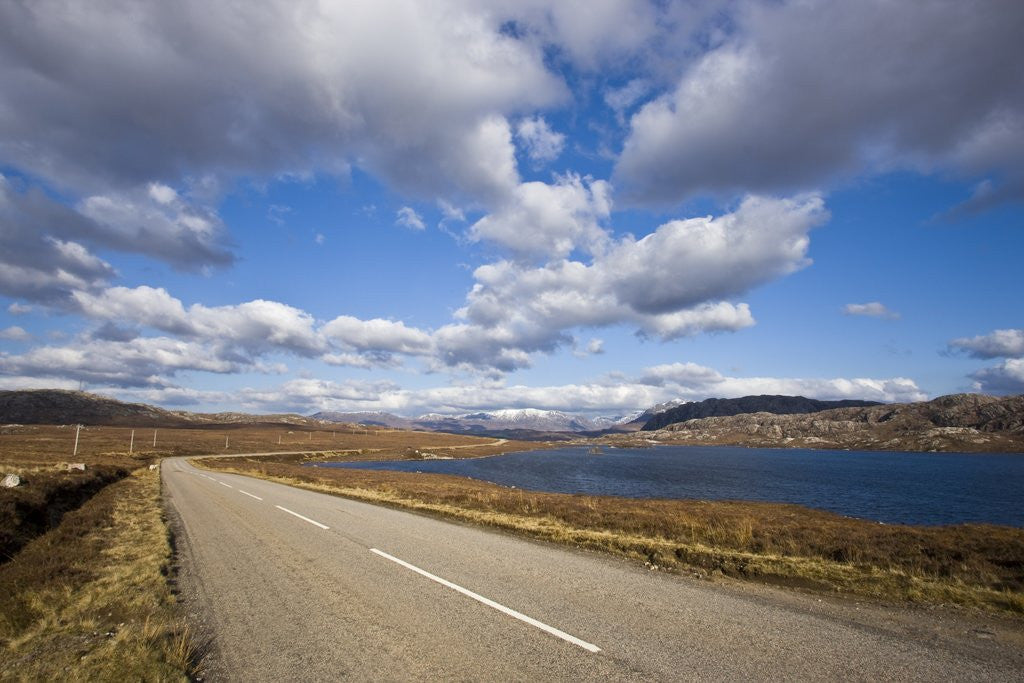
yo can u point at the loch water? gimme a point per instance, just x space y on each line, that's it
890 487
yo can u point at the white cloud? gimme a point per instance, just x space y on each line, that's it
622 99
669 284
45 246
872 309
549 220
997 344
19 309
162 194
408 217
15 333
801 93
696 382
1005 378
139 362
319 238
377 335
18 383
540 142
361 360
413 92
159 223
257 325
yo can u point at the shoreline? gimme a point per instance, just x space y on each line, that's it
911 516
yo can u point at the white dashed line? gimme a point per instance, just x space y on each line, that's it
223 484
302 517
490 603
249 494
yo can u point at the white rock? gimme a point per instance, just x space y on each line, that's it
11 480
76 466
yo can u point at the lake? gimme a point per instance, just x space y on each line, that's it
896 488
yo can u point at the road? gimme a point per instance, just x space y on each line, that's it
295 585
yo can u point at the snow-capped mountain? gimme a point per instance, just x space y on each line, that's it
509 419
512 418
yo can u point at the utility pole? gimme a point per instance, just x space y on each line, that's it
225 441
131 444
78 428
154 438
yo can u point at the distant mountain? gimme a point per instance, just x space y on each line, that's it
57 406
515 420
642 417
375 418
956 423
724 407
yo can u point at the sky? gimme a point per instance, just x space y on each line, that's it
461 205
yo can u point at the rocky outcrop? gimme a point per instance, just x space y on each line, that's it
960 422
723 407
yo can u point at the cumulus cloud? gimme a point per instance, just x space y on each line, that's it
44 255
801 93
540 142
15 333
377 335
872 309
413 92
139 362
1005 378
696 382
159 223
408 217
672 283
257 325
549 220
997 344
37 262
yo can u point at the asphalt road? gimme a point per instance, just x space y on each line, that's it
294 585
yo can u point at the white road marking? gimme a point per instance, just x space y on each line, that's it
223 484
490 603
249 494
322 526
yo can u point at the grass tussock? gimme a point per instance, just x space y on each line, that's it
977 565
90 599
42 500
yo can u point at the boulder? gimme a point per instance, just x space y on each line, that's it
11 480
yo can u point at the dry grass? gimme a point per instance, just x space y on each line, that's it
978 565
44 445
90 599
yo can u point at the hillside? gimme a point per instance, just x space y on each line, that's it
959 422
724 407
57 406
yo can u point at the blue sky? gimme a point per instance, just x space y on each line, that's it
462 205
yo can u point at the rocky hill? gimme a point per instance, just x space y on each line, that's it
960 422
724 407
56 406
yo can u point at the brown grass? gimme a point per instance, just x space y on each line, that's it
980 565
43 499
90 600
45 445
